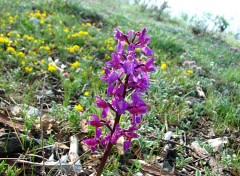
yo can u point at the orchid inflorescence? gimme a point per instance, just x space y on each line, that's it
127 76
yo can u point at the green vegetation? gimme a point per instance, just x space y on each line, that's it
51 57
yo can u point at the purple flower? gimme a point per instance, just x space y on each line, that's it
116 134
110 76
147 51
138 106
102 104
92 143
114 63
118 35
98 133
105 140
110 89
120 46
128 67
95 122
149 67
126 145
120 104
127 79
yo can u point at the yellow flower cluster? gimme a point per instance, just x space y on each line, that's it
78 34
28 69
4 40
73 49
75 64
109 43
38 15
45 48
28 37
52 67
79 107
107 57
11 19
20 54
87 24
11 50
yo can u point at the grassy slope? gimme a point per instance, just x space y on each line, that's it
172 43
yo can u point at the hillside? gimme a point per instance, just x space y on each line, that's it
52 59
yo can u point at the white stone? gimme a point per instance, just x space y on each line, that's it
217 143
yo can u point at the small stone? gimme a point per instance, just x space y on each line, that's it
200 92
213 80
217 143
32 111
165 101
138 174
185 171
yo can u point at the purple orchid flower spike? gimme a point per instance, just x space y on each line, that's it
127 78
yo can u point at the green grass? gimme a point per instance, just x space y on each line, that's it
36 34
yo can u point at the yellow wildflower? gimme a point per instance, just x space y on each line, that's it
73 49
189 72
20 54
78 107
79 34
46 48
110 48
23 62
38 15
42 61
28 69
11 50
164 66
4 40
52 67
75 64
28 37
66 30
107 57
42 21
86 93
10 19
